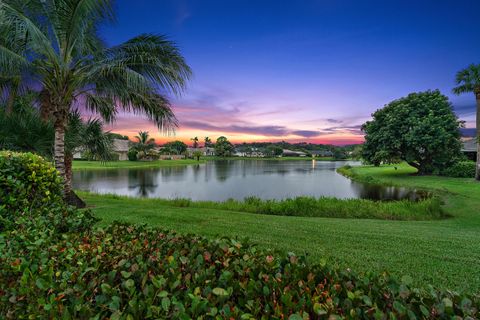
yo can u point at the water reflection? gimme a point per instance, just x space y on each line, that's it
221 180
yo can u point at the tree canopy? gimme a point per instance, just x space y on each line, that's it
421 129
177 146
223 147
54 47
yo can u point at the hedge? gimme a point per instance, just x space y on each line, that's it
462 169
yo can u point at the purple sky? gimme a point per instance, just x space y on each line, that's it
302 70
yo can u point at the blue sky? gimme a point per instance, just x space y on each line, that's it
303 70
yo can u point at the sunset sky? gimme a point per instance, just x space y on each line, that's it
308 70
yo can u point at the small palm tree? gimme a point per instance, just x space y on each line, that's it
53 46
468 81
144 142
22 129
208 142
195 142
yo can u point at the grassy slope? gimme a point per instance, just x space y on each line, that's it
445 253
92 165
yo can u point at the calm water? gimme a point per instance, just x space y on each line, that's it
221 180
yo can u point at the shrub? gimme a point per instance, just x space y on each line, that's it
31 198
27 181
135 272
132 155
462 169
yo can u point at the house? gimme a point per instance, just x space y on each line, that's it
206 151
249 152
121 147
321 153
469 148
291 153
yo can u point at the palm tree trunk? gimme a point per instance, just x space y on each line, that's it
59 149
68 173
477 172
11 99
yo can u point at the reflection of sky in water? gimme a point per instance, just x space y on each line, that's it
221 180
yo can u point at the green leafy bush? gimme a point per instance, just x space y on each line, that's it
132 154
27 181
462 169
31 196
135 272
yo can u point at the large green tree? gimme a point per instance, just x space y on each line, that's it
54 47
223 147
176 146
421 129
468 81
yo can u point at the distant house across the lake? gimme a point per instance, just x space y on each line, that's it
121 147
321 153
206 151
291 153
469 148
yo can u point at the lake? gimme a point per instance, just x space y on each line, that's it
237 179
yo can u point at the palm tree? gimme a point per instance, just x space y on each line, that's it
468 81
144 142
23 130
195 142
208 142
54 45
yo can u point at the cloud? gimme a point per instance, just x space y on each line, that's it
334 121
306 133
269 131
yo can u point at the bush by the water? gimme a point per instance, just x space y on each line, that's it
462 169
425 209
136 272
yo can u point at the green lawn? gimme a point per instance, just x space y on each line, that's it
92 165
445 253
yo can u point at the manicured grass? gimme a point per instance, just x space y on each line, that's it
445 253
92 165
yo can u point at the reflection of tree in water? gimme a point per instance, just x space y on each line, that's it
81 178
196 172
143 181
173 173
223 169
379 192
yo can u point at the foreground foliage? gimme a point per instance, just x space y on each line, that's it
131 272
128 272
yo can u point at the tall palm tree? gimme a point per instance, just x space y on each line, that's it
468 81
195 142
55 47
144 142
